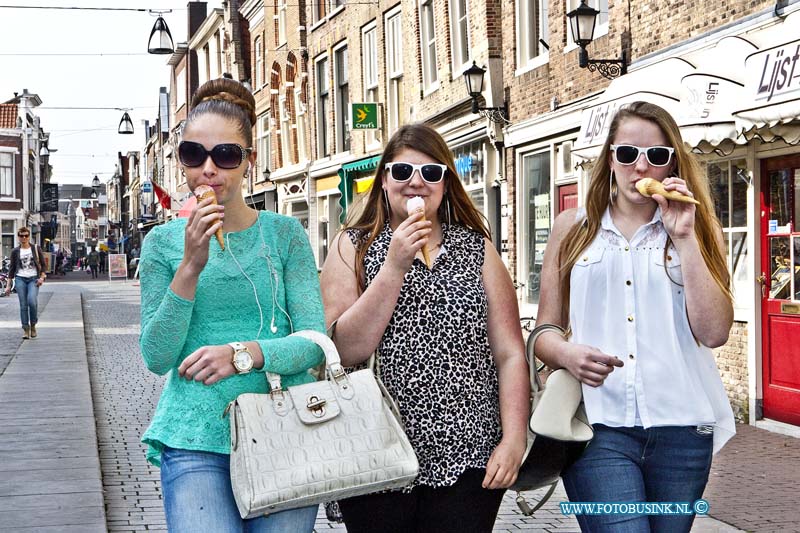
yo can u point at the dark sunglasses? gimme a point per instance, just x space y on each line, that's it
430 172
228 155
23 236
627 154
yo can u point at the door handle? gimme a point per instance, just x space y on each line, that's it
762 280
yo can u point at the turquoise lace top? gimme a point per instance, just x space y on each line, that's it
226 309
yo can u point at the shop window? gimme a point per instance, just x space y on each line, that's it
459 34
7 236
6 174
328 222
536 223
728 181
532 31
427 35
469 160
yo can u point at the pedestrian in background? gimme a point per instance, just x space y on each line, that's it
213 349
27 271
449 346
643 284
93 261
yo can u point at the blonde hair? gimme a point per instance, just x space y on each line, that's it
581 235
427 140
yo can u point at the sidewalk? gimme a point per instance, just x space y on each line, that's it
50 469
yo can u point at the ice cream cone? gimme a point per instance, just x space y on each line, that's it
202 192
412 206
648 187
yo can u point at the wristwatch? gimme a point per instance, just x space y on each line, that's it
242 358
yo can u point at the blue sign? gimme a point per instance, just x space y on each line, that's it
147 186
464 165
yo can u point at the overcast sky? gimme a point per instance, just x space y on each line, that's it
87 140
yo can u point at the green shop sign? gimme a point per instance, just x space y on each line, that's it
364 116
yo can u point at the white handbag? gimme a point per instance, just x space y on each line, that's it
322 441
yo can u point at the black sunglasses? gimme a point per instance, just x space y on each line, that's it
227 155
23 236
627 154
430 172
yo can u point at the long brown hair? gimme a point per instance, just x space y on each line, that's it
372 219
581 235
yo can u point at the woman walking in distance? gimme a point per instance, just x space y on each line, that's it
27 271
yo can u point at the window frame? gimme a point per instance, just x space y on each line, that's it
300 116
323 104
457 21
282 38
393 42
523 9
12 173
429 56
341 111
263 142
258 64
524 254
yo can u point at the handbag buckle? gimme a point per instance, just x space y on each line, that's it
316 406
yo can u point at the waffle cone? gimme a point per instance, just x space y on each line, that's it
202 193
648 187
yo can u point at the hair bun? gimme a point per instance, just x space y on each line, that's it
227 90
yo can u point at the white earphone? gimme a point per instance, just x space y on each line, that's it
273 282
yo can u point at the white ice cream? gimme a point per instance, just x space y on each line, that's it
414 204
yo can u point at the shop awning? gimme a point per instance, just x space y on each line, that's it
659 83
771 109
347 173
710 95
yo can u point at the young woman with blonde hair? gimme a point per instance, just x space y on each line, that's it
641 286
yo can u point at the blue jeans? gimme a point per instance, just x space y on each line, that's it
198 497
28 294
659 464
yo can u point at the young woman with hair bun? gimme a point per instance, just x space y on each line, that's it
215 318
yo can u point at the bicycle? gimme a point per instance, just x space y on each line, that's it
527 323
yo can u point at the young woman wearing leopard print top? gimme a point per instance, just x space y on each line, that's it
449 346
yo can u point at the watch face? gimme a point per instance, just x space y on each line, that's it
243 360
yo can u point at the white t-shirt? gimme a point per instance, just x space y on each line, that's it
27 264
623 302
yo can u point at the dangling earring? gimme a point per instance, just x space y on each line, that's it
447 207
612 187
183 173
386 203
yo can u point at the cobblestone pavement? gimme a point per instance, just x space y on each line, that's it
125 395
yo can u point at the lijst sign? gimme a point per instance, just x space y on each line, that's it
774 74
364 116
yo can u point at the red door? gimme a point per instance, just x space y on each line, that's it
567 197
780 277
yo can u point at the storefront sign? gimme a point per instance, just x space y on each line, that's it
117 266
364 116
596 122
707 99
774 74
147 186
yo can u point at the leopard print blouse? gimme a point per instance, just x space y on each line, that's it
434 357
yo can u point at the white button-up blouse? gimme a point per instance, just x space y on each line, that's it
623 302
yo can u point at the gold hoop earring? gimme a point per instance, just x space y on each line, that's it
613 190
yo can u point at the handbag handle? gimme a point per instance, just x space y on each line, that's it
333 362
536 382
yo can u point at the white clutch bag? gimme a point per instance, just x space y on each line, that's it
318 442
